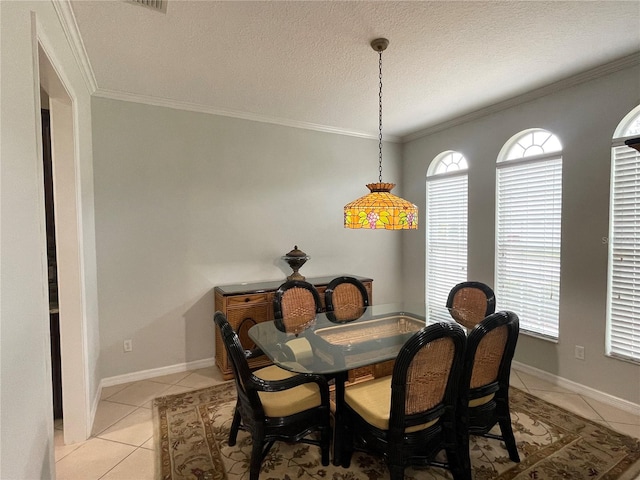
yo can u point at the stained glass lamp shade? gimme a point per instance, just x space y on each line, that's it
381 209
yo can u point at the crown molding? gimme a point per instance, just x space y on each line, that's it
68 21
69 25
195 107
588 75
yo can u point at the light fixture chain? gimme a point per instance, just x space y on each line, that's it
380 209
380 119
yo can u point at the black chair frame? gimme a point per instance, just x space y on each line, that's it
249 414
481 419
400 448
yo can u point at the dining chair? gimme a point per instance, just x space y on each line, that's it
410 416
295 306
345 299
274 404
485 379
470 302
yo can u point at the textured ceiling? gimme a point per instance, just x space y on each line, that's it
309 63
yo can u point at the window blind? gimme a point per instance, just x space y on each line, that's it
529 201
623 312
446 237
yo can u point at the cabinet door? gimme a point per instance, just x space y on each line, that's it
242 319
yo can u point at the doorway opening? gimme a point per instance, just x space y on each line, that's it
69 288
54 315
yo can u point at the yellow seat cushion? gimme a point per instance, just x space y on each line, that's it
481 401
372 401
295 367
301 349
287 402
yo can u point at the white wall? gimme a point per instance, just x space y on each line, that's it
26 433
584 118
186 201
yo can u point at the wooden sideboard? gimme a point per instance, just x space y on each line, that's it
246 304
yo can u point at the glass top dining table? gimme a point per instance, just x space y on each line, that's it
328 346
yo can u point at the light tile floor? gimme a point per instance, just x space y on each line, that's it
122 446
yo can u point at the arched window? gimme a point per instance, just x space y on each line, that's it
446 254
623 305
528 214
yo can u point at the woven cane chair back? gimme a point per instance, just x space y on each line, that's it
487 368
346 299
488 357
421 414
427 376
471 302
295 306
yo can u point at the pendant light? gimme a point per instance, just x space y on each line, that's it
380 209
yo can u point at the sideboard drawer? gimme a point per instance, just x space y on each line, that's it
242 300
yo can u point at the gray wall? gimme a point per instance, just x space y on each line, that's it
584 117
186 201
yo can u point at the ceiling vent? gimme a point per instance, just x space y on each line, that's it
158 5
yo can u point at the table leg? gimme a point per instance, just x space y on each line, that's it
338 428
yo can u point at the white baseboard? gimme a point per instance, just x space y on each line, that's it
156 372
94 410
578 388
144 375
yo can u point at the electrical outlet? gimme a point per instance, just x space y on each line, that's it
579 352
127 345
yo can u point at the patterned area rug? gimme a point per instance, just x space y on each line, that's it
192 431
